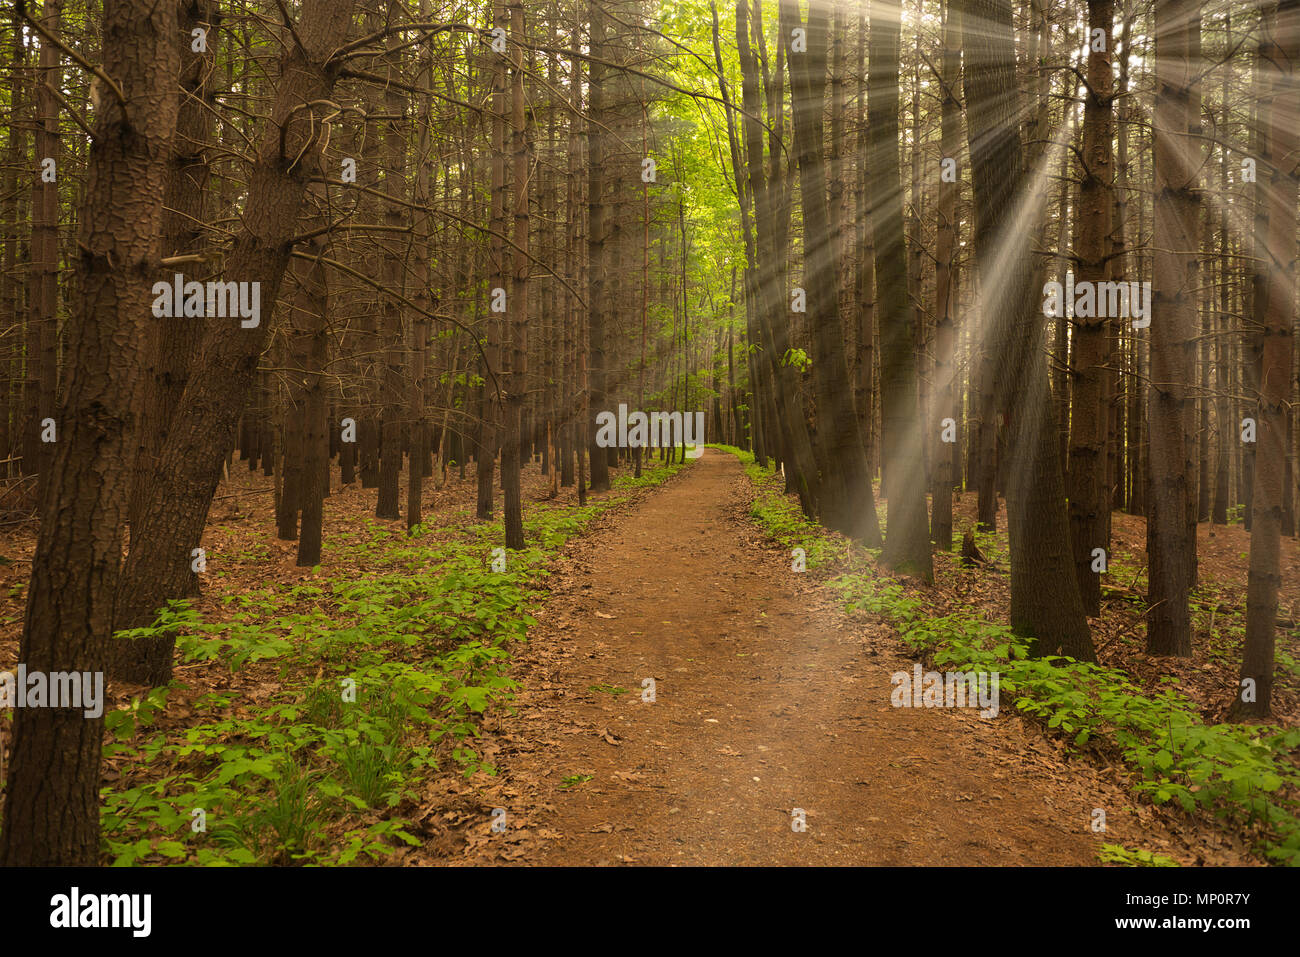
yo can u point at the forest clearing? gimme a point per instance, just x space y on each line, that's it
619 432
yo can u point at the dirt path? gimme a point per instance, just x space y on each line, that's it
767 699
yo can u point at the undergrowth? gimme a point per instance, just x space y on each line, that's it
1241 772
381 675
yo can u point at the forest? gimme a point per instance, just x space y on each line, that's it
621 432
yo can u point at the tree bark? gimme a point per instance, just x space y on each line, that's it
204 425
1086 478
847 501
1171 537
597 253
518 304
51 814
946 398
43 293
1275 315
174 340
1045 601
907 541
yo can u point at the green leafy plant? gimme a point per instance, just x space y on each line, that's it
1118 854
383 676
1243 772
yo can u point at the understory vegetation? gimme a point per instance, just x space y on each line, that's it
1245 773
336 698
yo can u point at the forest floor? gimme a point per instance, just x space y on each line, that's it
768 697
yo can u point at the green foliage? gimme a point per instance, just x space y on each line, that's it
797 358
992 546
381 674
287 826
652 473
1118 854
1244 772
1232 770
782 518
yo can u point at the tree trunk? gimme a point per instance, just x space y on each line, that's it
847 501
1086 478
518 305
51 814
907 543
174 340
946 398
1045 600
43 293
1275 314
388 504
1171 537
310 320
204 426
777 379
597 253
12 216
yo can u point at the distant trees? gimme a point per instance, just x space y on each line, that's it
789 441
1142 405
